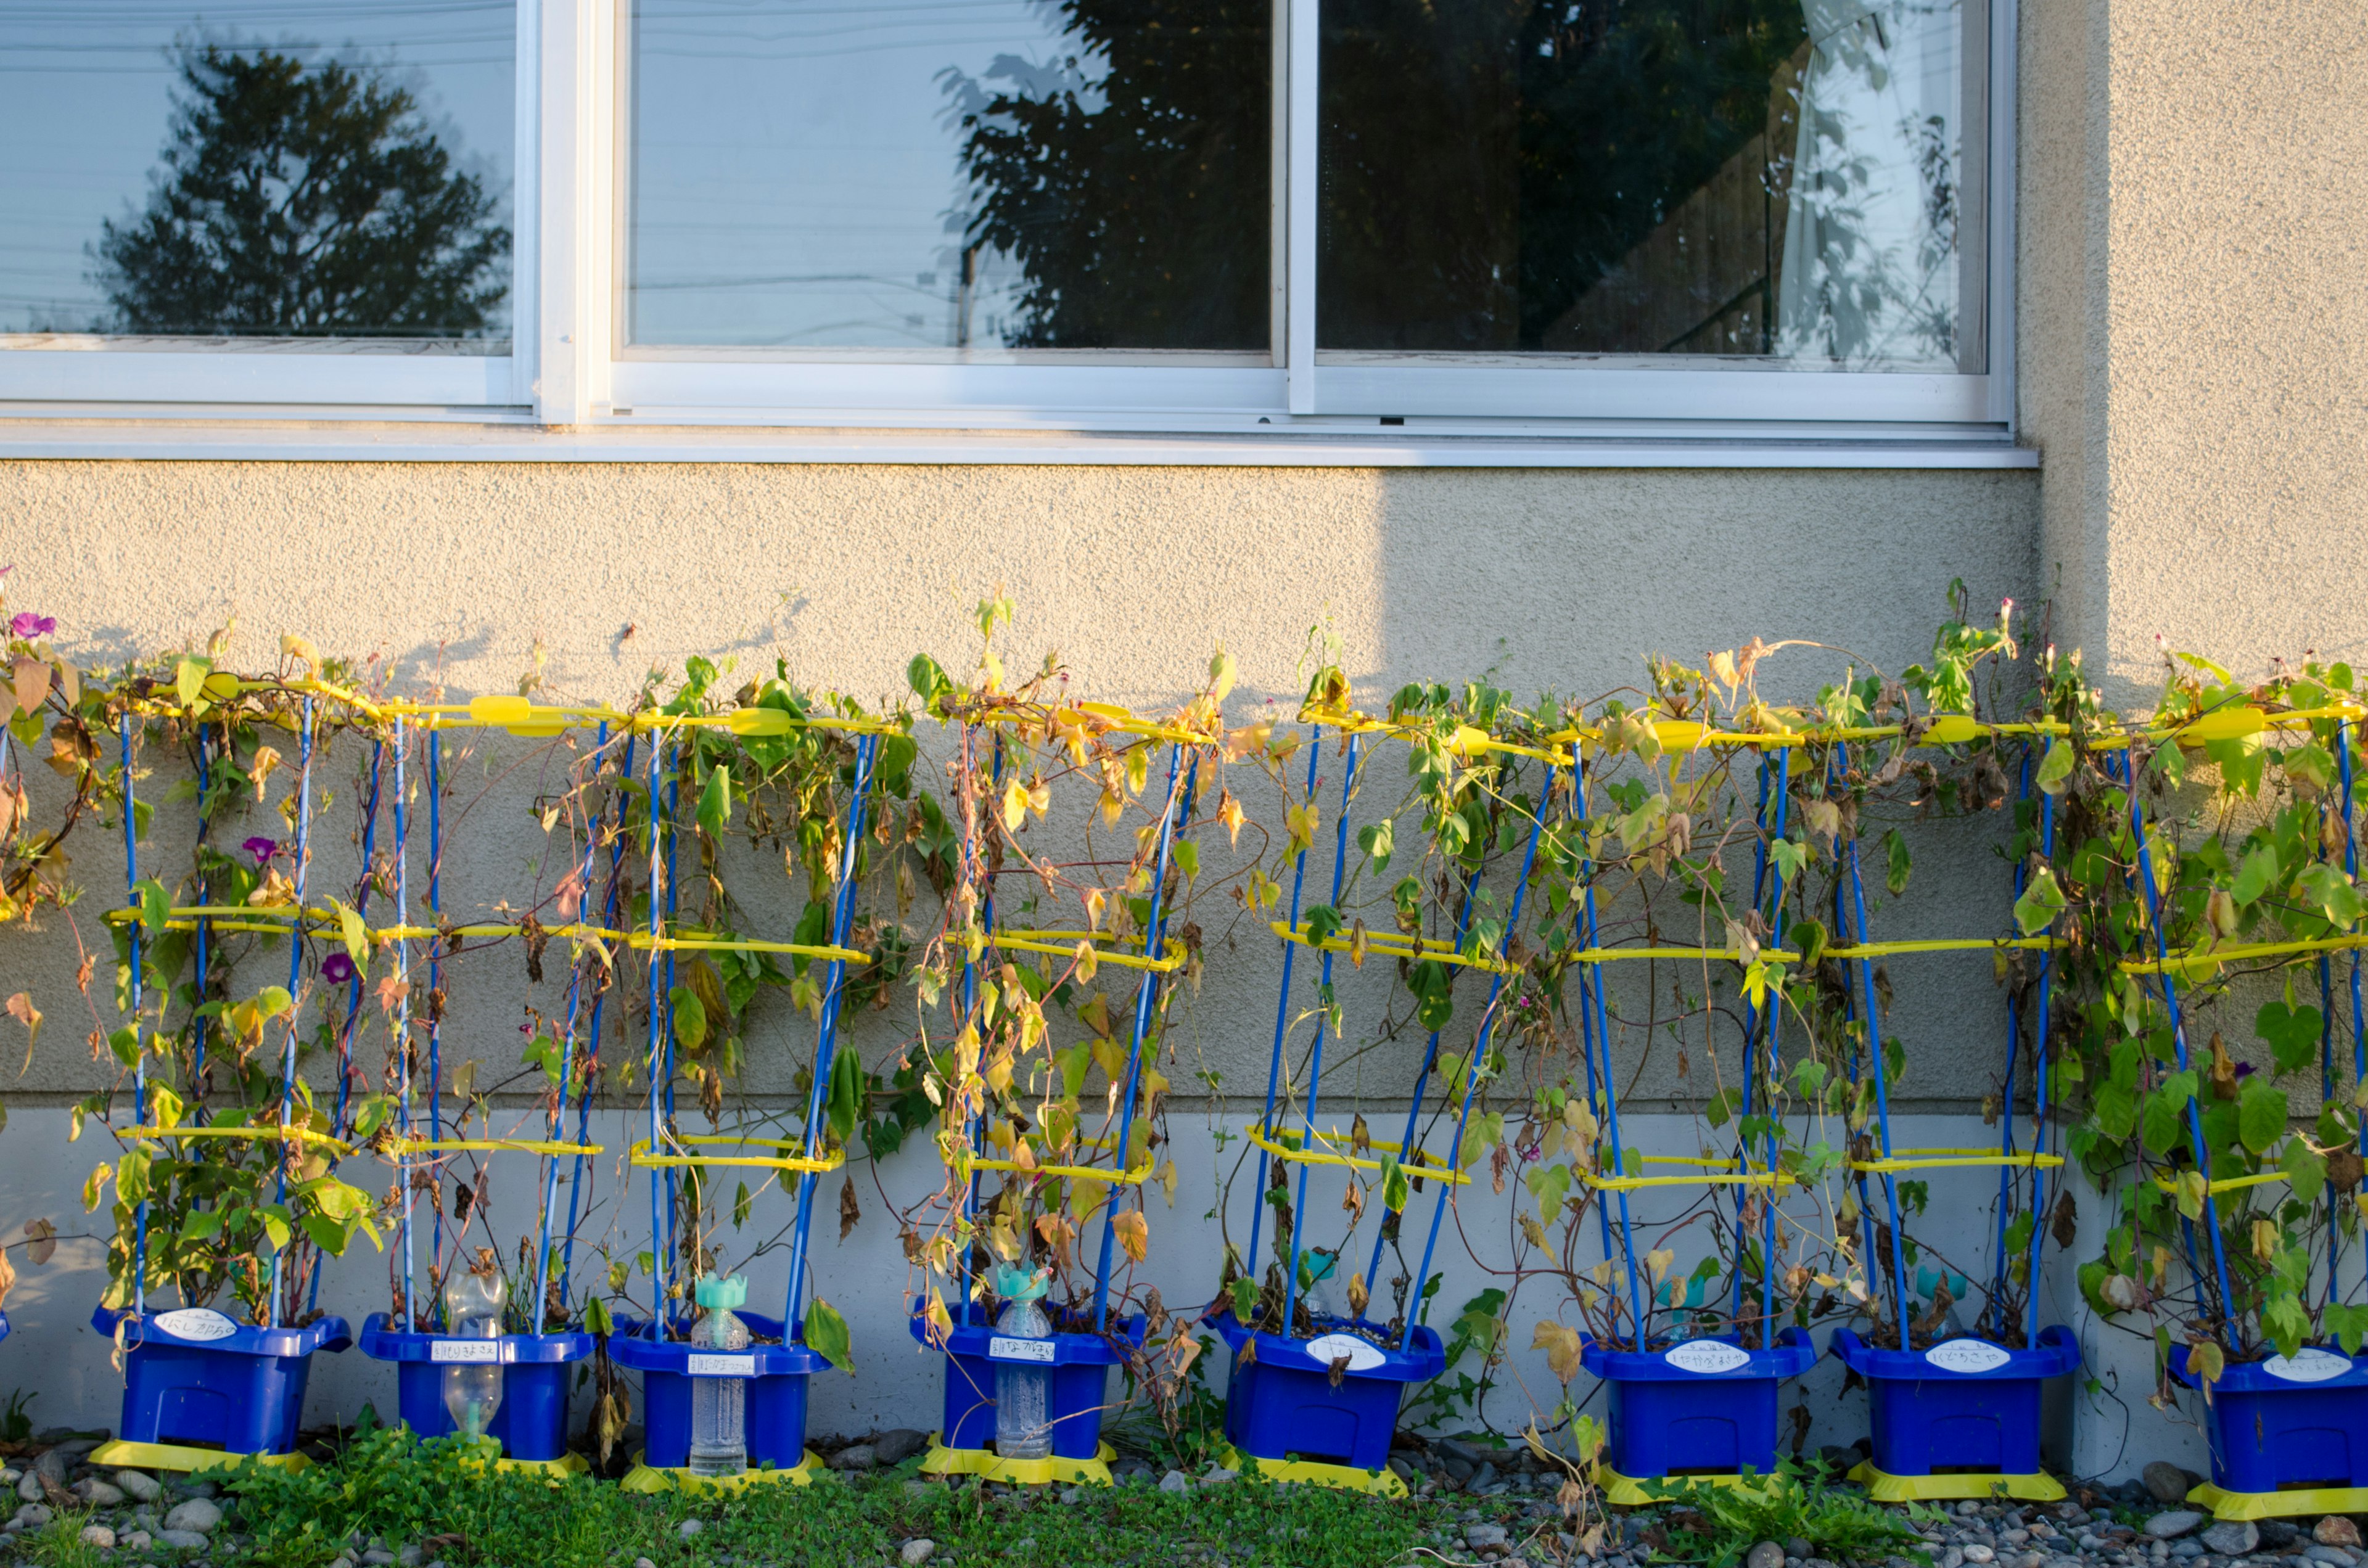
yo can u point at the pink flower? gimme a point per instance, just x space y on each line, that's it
29 625
261 849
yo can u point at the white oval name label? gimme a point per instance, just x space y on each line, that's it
2307 1367
1001 1350
1967 1356
465 1350
721 1366
1707 1356
1332 1347
200 1323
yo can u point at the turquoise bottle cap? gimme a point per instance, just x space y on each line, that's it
724 1291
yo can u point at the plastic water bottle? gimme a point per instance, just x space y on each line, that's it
473 1309
1315 1268
1023 1390
719 1433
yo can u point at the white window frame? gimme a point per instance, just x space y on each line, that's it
568 367
50 374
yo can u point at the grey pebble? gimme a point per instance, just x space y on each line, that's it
915 1552
2173 1523
1766 1554
198 1514
1176 1481
189 1541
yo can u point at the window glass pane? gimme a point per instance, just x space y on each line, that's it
1798 181
943 176
304 169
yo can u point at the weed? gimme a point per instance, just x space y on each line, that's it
1717 1525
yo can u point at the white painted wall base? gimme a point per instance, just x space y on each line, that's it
54 1354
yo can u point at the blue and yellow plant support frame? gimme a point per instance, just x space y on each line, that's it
1154 963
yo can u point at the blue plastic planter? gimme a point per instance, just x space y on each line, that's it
775 1409
194 1378
2273 1433
4 1326
1963 1405
1282 1403
1701 1407
1081 1365
532 1421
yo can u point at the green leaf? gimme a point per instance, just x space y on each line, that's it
2041 902
2261 1115
2331 892
690 1018
189 679
715 800
2305 1170
2346 1325
2055 768
826 1335
2292 1033
1245 1298
2256 874
1376 842
1188 857
595 1317
845 1107
327 1234
1395 1188
155 904
2161 1117
1810 937
894 763
1895 846
927 677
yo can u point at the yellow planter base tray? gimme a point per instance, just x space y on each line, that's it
1628 1492
1883 1487
2280 1505
123 1455
986 1464
1315 1472
643 1478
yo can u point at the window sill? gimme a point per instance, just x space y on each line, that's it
1329 446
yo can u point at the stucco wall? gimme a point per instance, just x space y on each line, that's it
2195 334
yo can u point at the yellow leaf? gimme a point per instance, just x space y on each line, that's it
1088 959
1168 1182
294 647
1221 675
1133 1234
1230 812
266 759
1561 1345
354 930
1096 902
1015 805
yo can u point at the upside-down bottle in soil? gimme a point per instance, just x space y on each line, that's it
473 1309
718 1438
1023 1388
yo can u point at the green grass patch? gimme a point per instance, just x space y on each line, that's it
388 1484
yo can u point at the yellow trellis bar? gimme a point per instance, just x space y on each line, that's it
1941 729
1286 1147
402 1147
2238 952
532 720
325 923
1709 1171
640 1153
2225 1183
1061 944
1391 945
1134 1177
270 1131
1938 1159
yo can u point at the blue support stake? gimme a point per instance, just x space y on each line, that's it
834 987
1606 1095
1478 1066
137 945
1177 811
2179 1042
295 983
592 1033
1316 1056
1281 1012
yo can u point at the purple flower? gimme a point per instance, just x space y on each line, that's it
29 625
336 969
261 849
2244 1069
